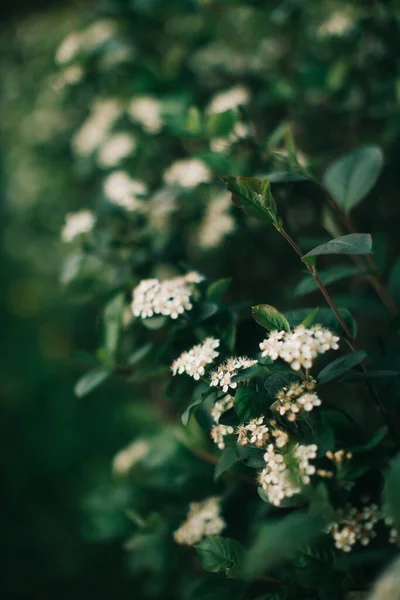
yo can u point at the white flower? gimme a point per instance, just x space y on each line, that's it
98 33
130 456
275 478
218 222
224 373
147 111
69 76
93 132
203 519
77 224
123 191
255 432
69 47
194 361
303 455
354 526
337 24
170 298
218 433
229 99
187 173
300 347
298 398
221 406
116 148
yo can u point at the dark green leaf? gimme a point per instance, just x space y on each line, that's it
247 195
221 555
394 280
250 373
269 317
91 380
154 322
286 176
280 540
218 589
246 403
228 458
139 354
199 398
327 276
326 318
218 289
371 375
220 125
309 320
376 439
339 366
252 457
365 305
391 492
353 243
350 178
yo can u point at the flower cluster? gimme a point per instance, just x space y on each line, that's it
218 222
354 526
76 224
255 432
221 406
121 190
94 131
229 99
300 347
87 39
194 361
130 456
146 111
394 534
277 480
224 373
187 173
170 298
117 147
203 519
218 433
296 399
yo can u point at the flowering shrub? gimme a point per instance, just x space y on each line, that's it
272 472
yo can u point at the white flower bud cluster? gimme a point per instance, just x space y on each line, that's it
221 406
121 190
147 111
218 222
218 433
130 456
188 173
170 298
194 361
224 373
394 534
300 347
93 132
255 432
117 147
354 526
203 519
89 38
229 99
296 399
276 479
76 224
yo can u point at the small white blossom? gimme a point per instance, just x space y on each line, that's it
303 455
229 99
170 298
354 526
123 191
116 148
221 406
187 173
130 456
337 24
218 433
98 33
203 519
194 361
218 222
69 47
147 111
76 224
300 347
94 131
254 432
275 478
298 398
224 373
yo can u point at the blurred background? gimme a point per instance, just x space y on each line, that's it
331 68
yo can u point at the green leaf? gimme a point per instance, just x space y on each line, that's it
218 289
280 540
140 353
268 199
91 380
221 555
246 403
339 366
309 320
220 125
218 589
376 439
193 124
326 318
350 178
194 405
394 280
154 322
327 276
286 177
247 195
353 243
269 317
112 320
228 458
384 374
391 491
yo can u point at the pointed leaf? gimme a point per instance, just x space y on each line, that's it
228 458
269 317
327 276
354 243
247 195
91 380
351 177
339 366
221 555
218 289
